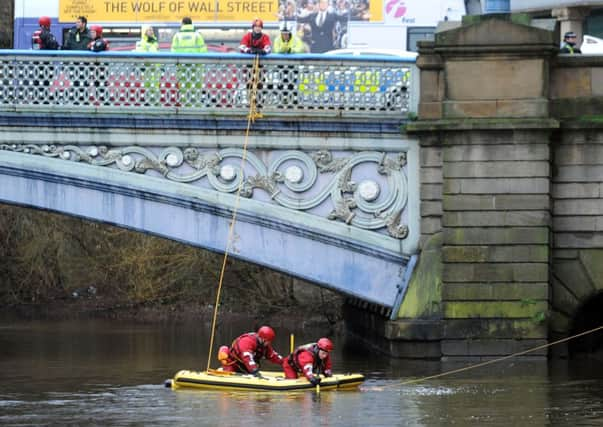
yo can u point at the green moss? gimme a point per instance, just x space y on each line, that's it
493 309
424 295
591 118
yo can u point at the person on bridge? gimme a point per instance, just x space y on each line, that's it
288 42
256 41
569 44
148 41
246 351
98 43
43 39
187 40
310 360
78 37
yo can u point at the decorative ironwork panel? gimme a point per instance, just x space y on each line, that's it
206 84
366 189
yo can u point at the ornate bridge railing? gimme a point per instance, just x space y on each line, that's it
207 84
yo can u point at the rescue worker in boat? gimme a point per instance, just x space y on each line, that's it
246 351
310 360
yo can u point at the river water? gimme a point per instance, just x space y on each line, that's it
111 373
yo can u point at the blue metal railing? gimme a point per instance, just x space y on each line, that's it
207 84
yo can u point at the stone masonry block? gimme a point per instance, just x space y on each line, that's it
570 82
431 89
472 80
431 157
498 186
462 109
522 108
431 208
430 110
576 191
488 272
501 235
592 261
468 202
431 225
431 175
493 309
597 80
578 240
506 152
498 291
496 218
562 299
579 173
572 275
579 154
499 169
431 191
579 207
494 328
574 223
523 253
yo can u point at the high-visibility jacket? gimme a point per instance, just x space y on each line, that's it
147 44
293 45
187 40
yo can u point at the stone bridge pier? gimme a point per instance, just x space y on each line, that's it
511 154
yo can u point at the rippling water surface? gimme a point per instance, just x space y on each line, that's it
110 373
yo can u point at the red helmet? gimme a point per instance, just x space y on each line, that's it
266 333
325 344
258 22
98 29
44 21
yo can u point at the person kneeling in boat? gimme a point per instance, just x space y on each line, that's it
310 360
247 350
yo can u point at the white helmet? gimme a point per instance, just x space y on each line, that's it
287 27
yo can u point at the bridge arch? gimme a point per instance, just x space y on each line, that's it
588 316
577 297
314 245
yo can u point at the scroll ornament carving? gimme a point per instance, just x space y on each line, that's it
320 177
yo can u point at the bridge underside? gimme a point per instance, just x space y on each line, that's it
286 242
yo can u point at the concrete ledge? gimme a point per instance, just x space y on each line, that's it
491 347
482 124
410 330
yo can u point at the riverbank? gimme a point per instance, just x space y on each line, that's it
304 314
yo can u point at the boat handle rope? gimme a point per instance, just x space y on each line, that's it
490 362
253 114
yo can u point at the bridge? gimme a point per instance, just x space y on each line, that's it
471 233
308 150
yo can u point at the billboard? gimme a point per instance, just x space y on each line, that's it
168 10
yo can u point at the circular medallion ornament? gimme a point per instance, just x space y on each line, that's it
171 160
294 174
227 172
65 155
93 152
127 160
369 190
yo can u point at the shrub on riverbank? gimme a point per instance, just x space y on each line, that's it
50 262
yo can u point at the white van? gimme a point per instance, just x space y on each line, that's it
591 45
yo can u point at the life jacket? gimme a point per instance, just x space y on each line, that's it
235 350
317 365
37 41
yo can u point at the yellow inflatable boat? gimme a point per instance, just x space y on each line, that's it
214 379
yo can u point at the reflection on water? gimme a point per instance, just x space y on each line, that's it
107 373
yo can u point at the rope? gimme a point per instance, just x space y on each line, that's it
253 114
490 362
